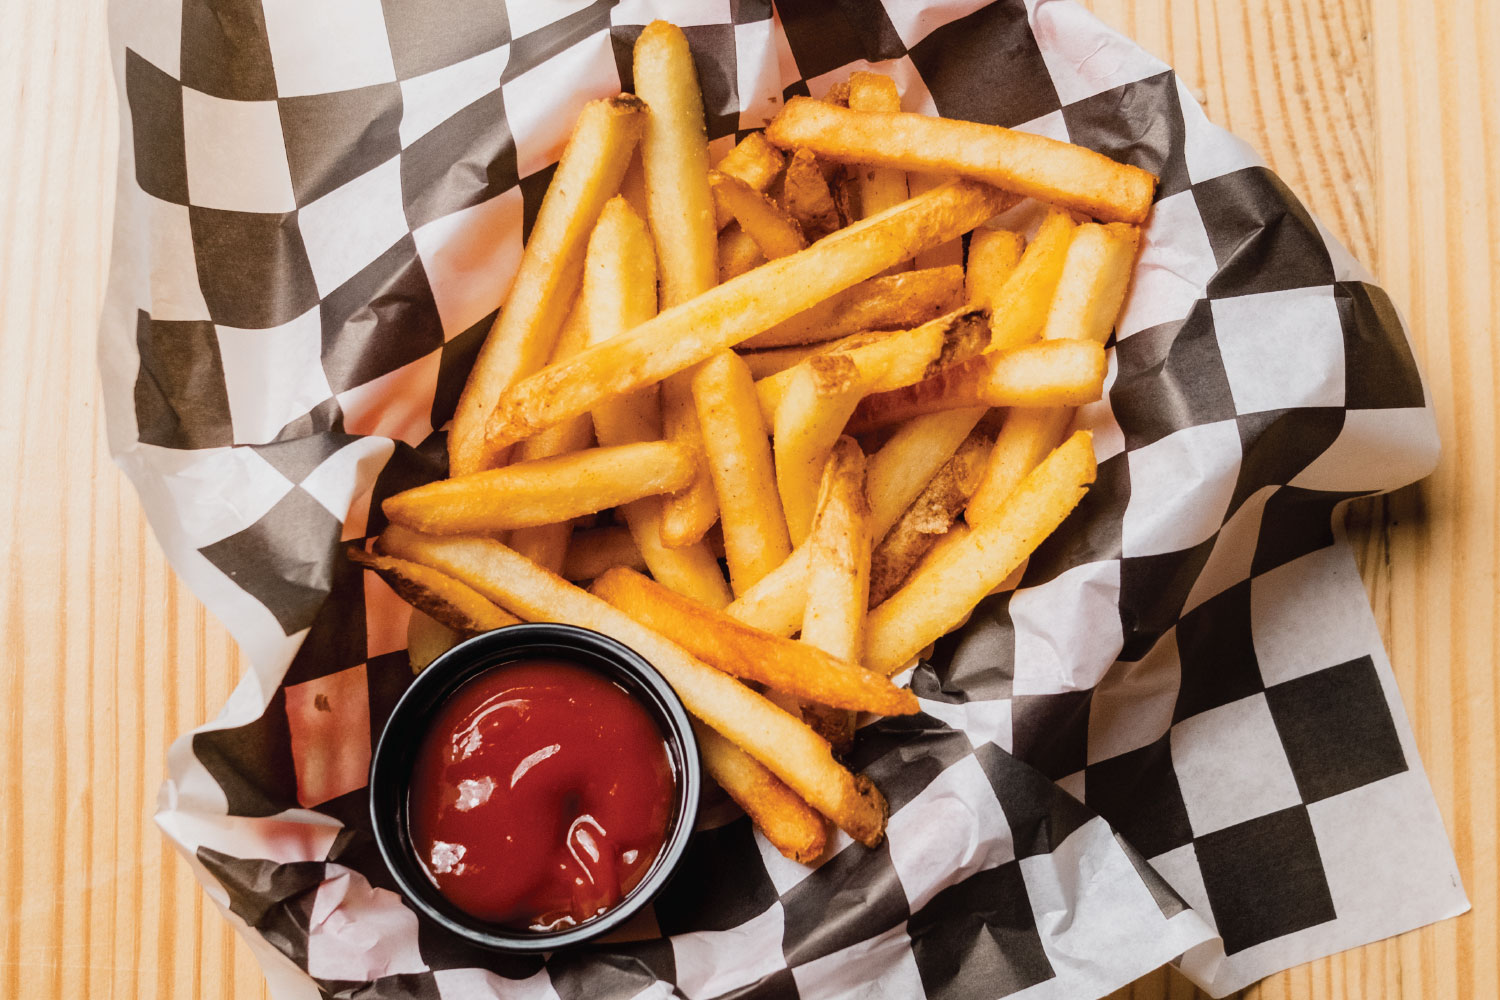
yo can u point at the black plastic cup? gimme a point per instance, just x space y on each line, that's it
395 753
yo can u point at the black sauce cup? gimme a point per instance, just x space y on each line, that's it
395 753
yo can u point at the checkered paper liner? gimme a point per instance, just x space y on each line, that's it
1179 739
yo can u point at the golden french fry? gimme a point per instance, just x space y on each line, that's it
878 188
754 161
427 639
1028 435
838 94
547 544
902 468
545 491
739 458
823 392
790 750
807 198
791 825
518 344
722 317
1091 288
949 253
435 594
934 601
993 255
749 654
1050 373
619 291
775 232
674 152
838 582
594 550
889 302
1023 301
929 517
1031 165
776 603
633 185
738 253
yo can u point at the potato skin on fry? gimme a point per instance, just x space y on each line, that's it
440 597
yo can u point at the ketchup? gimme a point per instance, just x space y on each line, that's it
540 795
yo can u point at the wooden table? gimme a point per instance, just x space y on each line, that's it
1383 114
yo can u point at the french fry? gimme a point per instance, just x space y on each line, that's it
1028 435
749 654
889 302
775 233
902 468
883 362
739 458
633 185
838 582
934 601
1030 165
949 253
427 639
674 152
1026 296
1051 373
547 544
754 161
440 597
724 316
776 603
619 292
929 517
877 188
790 750
738 253
1092 285
595 550
838 94
764 364
806 196
545 491
823 392
588 174
993 255
791 825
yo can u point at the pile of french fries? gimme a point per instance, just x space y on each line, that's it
739 363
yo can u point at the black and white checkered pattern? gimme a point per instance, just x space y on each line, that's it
1178 739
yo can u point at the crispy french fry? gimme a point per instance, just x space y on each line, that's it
818 401
749 654
738 253
1028 436
775 232
934 601
902 468
754 161
791 825
1031 165
1050 373
544 491
547 544
929 517
739 458
551 263
807 198
993 255
1023 301
681 214
838 582
889 302
619 291
878 188
453 604
776 603
790 750
764 364
722 317
949 253
838 94
594 550
1091 288
427 639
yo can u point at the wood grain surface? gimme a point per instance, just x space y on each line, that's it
1383 114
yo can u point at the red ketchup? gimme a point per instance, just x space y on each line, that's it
540 795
